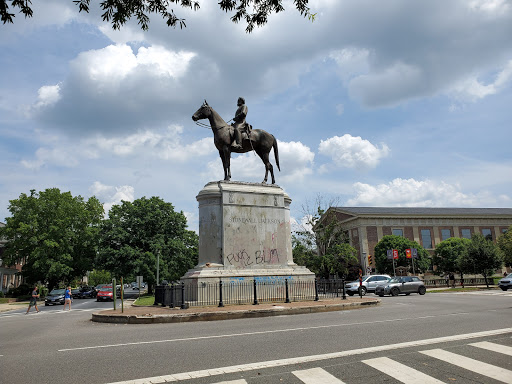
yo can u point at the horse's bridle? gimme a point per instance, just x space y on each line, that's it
203 125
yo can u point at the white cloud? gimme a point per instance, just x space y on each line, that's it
48 95
61 157
352 152
112 195
414 193
472 89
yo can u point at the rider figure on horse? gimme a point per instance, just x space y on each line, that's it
239 123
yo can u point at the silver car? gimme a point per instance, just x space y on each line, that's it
505 283
369 283
404 284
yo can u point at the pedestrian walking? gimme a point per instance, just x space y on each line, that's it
33 300
446 280
67 298
452 279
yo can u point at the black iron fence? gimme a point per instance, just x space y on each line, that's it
467 282
184 295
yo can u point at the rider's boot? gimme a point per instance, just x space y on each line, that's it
238 139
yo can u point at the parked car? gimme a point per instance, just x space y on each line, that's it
135 285
75 293
56 296
505 283
404 284
368 284
87 292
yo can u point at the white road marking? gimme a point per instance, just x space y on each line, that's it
241 381
307 359
259 333
473 365
400 371
316 376
506 350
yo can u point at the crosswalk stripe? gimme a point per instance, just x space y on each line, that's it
316 376
473 365
400 372
506 350
241 381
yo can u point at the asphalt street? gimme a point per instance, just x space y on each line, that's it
355 346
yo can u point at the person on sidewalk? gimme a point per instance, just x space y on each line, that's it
452 279
67 298
446 277
33 300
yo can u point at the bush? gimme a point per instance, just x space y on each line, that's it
1 294
22 290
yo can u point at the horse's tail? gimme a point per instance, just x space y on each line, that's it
276 153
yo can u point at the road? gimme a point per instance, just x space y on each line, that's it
407 335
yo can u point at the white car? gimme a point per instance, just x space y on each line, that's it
369 283
505 283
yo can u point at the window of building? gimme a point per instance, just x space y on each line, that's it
445 234
398 232
426 238
466 233
487 233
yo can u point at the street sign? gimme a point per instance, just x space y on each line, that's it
395 254
390 254
408 253
139 280
414 252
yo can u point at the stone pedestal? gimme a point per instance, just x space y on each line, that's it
244 235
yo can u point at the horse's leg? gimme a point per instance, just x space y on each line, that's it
268 166
222 157
227 163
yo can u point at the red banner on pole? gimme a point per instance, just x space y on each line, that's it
395 254
408 253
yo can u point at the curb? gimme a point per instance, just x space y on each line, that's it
227 314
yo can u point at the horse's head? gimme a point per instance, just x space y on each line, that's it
203 112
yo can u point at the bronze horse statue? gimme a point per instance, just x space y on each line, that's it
223 134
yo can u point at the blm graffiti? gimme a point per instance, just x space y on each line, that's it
243 259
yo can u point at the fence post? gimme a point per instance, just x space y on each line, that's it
164 291
221 303
183 306
287 294
255 294
316 290
344 297
172 296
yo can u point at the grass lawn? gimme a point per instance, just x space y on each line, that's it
145 300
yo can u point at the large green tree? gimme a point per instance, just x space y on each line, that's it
505 244
118 12
400 243
449 253
55 233
135 234
483 257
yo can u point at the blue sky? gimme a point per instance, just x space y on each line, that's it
375 103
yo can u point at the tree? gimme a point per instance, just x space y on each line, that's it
483 257
118 12
505 245
341 259
55 233
135 234
99 276
421 264
448 255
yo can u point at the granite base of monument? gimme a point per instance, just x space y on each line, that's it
244 235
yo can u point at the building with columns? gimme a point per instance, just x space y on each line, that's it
366 226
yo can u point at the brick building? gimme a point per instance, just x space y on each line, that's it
10 276
366 226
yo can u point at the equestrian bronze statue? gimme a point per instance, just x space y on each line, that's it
252 139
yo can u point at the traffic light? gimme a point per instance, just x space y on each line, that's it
370 259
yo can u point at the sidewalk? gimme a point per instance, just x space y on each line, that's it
159 314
